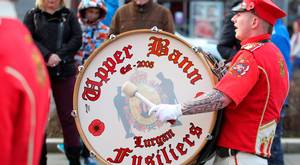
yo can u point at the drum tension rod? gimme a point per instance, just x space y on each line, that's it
80 68
112 36
217 66
92 154
74 113
196 49
155 29
209 136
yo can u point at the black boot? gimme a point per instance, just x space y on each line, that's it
85 153
73 155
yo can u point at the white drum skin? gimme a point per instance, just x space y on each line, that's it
166 70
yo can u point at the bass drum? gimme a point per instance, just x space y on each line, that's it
165 69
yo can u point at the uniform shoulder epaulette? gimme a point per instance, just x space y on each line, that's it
252 46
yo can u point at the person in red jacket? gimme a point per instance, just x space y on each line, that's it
24 92
252 91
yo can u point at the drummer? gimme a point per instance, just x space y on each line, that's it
252 91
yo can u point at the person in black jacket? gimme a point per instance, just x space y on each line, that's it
57 33
228 45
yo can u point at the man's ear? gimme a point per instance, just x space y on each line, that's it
255 22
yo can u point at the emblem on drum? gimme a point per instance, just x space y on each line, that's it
97 127
118 128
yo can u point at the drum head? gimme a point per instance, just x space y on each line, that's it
165 69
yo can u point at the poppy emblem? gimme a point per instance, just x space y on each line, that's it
96 127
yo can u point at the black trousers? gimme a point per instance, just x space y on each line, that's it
43 159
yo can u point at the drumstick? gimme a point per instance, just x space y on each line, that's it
131 90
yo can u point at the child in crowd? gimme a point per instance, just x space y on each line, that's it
94 32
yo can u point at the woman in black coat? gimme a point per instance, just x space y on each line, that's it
57 33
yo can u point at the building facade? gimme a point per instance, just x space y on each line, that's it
204 18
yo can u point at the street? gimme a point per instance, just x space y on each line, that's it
60 159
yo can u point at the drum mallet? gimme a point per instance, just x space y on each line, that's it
131 90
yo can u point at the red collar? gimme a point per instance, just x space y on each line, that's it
256 39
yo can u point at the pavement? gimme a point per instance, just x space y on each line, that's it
60 159
291 152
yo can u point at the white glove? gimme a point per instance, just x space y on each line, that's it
165 112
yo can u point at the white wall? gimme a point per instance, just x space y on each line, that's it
22 6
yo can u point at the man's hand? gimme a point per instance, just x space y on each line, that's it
165 112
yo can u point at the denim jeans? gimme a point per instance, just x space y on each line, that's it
295 65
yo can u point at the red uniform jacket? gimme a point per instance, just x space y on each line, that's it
257 82
24 95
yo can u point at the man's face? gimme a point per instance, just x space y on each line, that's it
242 22
52 4
141 2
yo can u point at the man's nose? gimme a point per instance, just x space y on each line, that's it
233 19
138 2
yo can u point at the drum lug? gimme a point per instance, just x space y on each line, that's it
74 113
92 154
209 136
196 49
80 67
112 36
155 29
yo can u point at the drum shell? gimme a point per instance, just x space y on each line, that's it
142 57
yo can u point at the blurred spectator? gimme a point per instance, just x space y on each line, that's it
281 38
295 45
228 45
112 6
25 92
94 32
141 14
56 31
204 28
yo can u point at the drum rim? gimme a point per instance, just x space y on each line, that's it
79 77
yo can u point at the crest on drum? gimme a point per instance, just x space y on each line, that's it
134 113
